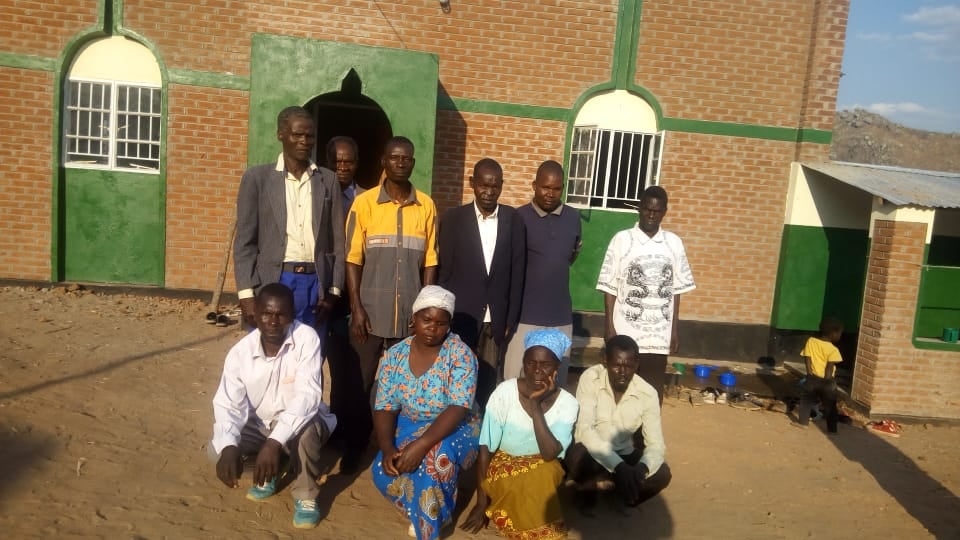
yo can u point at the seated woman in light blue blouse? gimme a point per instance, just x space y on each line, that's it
527 427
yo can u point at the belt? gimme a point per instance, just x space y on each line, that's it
300 268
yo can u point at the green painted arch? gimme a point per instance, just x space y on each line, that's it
596 90
109 23
291 71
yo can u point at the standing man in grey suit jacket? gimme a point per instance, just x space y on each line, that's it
290 226
483 252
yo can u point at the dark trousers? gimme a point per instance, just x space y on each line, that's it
348 401
653 369
822 390
368 356
581 467
488 364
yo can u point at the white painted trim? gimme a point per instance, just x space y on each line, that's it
618 110
116 58
904 214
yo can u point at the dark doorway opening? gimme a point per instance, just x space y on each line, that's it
348 112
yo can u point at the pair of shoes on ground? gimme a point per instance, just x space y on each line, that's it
885 427
218 319
712 396
746 401
306 515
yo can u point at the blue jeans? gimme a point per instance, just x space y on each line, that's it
305 289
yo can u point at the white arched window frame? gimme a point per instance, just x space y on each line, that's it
113 123
615 153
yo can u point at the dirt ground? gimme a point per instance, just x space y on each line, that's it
105 415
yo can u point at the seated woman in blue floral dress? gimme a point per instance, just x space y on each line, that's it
423 417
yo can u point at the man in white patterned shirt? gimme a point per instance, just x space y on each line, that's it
618 432
270 401
644 272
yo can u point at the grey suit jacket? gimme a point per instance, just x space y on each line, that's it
261 240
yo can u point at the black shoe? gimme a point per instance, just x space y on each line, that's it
350 462
585 501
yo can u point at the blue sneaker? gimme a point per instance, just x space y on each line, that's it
305 514
259 493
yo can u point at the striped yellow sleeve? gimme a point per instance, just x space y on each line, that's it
356 232
430 257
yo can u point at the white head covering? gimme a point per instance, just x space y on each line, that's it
435 296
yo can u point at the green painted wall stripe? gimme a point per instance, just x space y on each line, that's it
817 136
209 79
627 38
537 112
26 61
729 129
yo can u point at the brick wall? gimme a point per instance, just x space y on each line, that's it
207 149
737 61
727 198
742 60
892 377
25 166
43 28
537 53
520 145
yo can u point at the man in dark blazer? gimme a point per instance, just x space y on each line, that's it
290 226
482 249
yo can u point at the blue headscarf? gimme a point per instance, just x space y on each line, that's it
551 338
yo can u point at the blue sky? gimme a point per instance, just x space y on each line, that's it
902 61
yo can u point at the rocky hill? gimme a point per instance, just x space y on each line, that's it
861 136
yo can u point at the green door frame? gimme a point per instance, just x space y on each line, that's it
288 71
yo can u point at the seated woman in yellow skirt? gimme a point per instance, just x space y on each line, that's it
527 427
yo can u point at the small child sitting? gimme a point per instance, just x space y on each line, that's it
822 355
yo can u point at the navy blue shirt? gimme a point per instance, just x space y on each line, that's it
553 240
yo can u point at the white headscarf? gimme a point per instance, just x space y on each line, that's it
435 296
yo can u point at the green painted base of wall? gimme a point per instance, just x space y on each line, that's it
113 227
822 272
598 228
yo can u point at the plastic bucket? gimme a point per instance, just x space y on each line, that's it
703 371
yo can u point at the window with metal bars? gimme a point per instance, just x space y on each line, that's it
112 125
609 168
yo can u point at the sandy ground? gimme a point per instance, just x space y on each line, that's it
105 415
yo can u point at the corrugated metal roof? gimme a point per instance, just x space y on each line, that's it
898 186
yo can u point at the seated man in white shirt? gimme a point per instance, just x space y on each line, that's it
618 434
270 401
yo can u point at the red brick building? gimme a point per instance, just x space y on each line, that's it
713 100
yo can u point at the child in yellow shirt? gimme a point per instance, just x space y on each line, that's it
822 356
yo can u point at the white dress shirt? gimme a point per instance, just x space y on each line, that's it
606 427
488 242
299 193
281 394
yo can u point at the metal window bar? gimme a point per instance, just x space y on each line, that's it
582 164
87 112
621 174
638 187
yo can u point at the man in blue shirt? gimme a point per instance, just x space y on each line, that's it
553 242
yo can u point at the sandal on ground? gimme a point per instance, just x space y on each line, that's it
885 427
